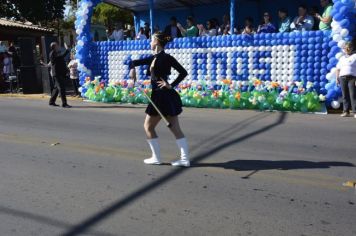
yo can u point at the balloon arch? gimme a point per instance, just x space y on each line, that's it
282 71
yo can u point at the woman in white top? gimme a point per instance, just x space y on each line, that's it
346 78
210 31
74 74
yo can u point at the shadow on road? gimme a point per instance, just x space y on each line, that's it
258 165
213 149
43 220
108 107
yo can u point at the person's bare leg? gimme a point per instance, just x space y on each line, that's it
152 139
150 125
181 142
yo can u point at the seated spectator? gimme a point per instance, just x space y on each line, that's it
285 21
210 29
266 25
156 29
191 30
302 22
313 12
147 30
225 27
141 34
325 18
217 25
117 34
248 29
172 29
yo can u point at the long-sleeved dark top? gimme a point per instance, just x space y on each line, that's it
162 68
58 65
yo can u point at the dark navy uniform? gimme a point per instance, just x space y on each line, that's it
167 100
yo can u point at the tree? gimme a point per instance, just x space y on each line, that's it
110 15
36 11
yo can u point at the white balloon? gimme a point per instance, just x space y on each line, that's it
341 43
344 32
337 37
335 104
329 76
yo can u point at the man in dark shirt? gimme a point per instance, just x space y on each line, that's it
172 29
59 72
147 30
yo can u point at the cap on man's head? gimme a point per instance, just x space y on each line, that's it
53 45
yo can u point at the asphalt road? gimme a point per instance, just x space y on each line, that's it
80 172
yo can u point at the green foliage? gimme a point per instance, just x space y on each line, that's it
110 15
36 11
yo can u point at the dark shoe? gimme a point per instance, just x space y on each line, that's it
53 105
66 106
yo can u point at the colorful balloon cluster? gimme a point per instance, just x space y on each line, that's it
231 94
343 29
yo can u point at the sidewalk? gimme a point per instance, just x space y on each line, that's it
35 96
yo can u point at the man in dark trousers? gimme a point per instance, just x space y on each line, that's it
172 29
59 72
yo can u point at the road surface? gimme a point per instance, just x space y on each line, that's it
80 172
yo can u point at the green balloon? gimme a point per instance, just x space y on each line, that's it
286 105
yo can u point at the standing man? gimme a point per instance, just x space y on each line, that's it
118 33
147 30
325 18
172 29
303 22
59 72
285 21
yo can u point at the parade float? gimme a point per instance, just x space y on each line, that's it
280 71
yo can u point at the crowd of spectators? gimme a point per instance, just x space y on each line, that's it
307 19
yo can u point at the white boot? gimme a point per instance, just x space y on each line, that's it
184 153
156 156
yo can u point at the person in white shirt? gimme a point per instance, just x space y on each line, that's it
210 31
346 78
117 34
141 34
303 22
74 74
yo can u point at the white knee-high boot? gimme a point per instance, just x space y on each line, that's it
184 153
156 155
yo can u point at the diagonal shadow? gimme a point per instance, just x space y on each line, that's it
121 203
258 165
218 137
108 107
44 220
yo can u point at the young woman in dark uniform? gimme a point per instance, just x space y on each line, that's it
165 97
